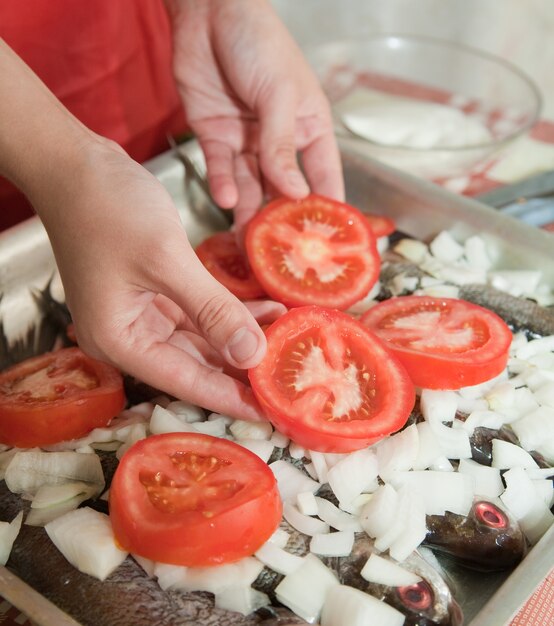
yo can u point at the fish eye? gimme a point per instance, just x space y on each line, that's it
490 515
418 597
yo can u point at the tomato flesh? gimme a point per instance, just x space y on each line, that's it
192 499
313 251
57 396
330 384
222 257
444 343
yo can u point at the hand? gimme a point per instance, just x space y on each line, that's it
137 292
253 102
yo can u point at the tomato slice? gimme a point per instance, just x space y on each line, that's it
444 343
313 251
381 225
57 396
222 257
330 384
192 499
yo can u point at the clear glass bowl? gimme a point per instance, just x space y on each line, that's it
422 87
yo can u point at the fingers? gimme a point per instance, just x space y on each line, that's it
266 311
170 369
251 193
278 145
220 169
322 164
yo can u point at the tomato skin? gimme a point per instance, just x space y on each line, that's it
235 528
483 357
222 257
313 251
387 395
57 396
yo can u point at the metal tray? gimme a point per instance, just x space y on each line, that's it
420 209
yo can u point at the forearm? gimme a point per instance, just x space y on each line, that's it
39 138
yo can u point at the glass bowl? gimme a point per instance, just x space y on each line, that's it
434 108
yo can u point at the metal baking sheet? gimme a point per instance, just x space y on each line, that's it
420 209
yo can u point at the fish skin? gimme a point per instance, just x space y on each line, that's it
475 544
481 444
519 313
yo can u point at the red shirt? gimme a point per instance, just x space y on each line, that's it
108 61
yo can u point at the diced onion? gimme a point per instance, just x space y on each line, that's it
506 455
278 559
386 572
398 452
412 249
279 440
8 534
306 503
260 447
411 512
378 515
186 412
333 544
291 481
488 482
251 430
445 248
346 605
306 589
85 538
320 465
535 431
303 523
280 538
241 599
429 449
164 421
353 475
336 518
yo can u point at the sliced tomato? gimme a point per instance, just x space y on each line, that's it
192 499
381 225
329 383
313 251
444 343
222 257
57 396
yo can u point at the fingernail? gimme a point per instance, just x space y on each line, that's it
243 345
297 181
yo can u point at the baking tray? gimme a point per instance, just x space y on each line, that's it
420 209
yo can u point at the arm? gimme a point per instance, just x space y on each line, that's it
253 103
137 292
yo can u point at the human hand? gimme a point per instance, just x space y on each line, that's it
139 296
253 102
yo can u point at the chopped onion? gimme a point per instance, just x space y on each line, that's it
545 491
333 544
85 538
412 249
441 491
147 565
378 515
303 523
482 418
525 504
306 589
488 482
143 408
386 572
214 579
353 475
336 518
164 421
506 455
306 503
8 535
531 348
398 452
280 538
5 458
137 432
186 412
439 406
441 464
445 248
309 467
29 470
296 451
278 559
241 599
475 250
260 447
515 282
279 440
429 449
411 512
535 431
291 481
215 428
53 501
346 605
320 465
251 430
544 395
217 416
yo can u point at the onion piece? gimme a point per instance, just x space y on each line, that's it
545 491
186 412
429 449
278 559
441 491
353 475
506 455
279 440
241 599
535 431
85 538
241 429
411 511
333 544
320 465
346 605
296 451
147 565
29 470
525 504
482 418
306 503
386 572
214 579
215 427
398 452
303 523
488 482
305 590
260 447
137 432
412 249
8 535
5 458
164 421
378 515
280 538
445 248
531 348
476 254
336 518
53 501
544 395
291 481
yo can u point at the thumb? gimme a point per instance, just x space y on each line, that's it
221 318
277 157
